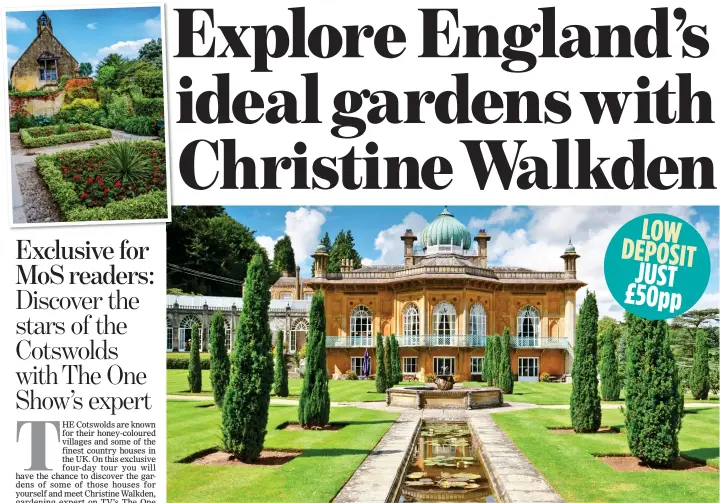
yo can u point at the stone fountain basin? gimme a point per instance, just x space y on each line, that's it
429 397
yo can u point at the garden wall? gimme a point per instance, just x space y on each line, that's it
47 105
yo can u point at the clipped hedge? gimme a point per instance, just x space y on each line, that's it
152 205
182 363
90 132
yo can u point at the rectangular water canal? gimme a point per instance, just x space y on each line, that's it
445 465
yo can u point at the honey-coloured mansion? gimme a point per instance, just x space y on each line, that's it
441 303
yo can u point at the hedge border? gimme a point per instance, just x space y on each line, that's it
152 205
91 133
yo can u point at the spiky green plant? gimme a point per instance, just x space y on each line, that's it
126 163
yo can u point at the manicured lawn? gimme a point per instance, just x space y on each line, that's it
328 460
568 463
340 391
186 355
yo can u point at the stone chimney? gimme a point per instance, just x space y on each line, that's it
285 273
321 261
570 257
346 265
409 240
482 240
298 284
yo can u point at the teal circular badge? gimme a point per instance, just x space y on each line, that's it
657 266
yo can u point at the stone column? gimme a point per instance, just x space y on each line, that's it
569 329
175 320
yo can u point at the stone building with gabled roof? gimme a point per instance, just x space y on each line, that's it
44 62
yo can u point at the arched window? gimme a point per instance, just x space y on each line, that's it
169 334
297 335
411 325
361 326
444 323
228 335
186 332
478 325
528 331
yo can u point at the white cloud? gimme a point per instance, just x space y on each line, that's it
367 261
153 27
388 240
11 49
268 243
92 26
499 217
303 227
127 48
14 24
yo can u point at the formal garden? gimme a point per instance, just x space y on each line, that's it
636 428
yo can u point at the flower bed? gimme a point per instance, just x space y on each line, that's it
57 135
86 185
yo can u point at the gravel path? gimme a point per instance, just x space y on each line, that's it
38 204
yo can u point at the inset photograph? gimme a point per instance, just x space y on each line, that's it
86 92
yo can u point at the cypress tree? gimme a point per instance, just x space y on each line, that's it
280 380
489 363
219 360
585 410
381 382
396 367
504 374
194 368
653 400
389 374
314 408
610 383
700 374
247 398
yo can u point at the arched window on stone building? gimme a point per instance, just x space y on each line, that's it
169 334
478 325
528 327
186 331
361 326
411 325
444 323
228 335
297 335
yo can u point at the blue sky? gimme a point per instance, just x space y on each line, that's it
89 34
531 237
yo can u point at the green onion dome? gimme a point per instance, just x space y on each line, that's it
446 230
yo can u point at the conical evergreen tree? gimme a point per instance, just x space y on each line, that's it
247 398
219 360
280 380
653 401
314 408
194 367
389 375
700 374
585 412
395 355
610 383
489 368
381 380
504 374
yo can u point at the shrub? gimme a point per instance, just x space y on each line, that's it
314 407
544 377
21 120
151 107
140 125
150 80
179 363
247 398
610 384
81 111
61 134
118 110
150 206
351 376
86 91
585 412
654 404
126 163
430 377
700 374
219 361
280 379
381 379
107 76
504 373
194 371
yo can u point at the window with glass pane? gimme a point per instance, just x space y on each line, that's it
478 324
228 336
308 296
410 365
528 367
411 325
444 323
186 331
528 327
476 365
443 365
285 296
297 333
356 364
360 326
169 335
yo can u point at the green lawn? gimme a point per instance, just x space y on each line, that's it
328 460
568 463
186 355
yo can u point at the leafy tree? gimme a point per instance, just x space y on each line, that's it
654 404
608 323
381 380
152 53
113 59
396 365
325 241
284 256
280 381
505 379
683 336
247 398
107 76
610 383
194 368
150 81
343 248
314 408
85 69
700 377
219 361
585 410
489 368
